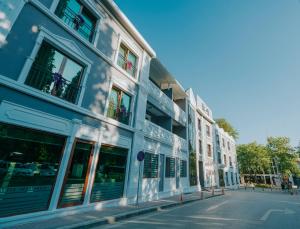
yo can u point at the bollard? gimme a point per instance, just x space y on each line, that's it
223 193
201 194
181 197
213 191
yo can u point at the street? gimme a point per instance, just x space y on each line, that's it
237 209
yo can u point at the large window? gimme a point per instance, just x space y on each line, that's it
183 168
200 147
225 160
29 162
170 167
54 73
151 165
110 174
119 106
78 17
127 60
73 190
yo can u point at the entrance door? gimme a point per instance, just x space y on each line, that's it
177 172
201 174
161 172
76 178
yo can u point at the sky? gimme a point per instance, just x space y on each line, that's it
242 57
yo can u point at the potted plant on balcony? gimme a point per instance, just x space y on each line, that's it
78 21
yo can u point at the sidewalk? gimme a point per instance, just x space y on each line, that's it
104 216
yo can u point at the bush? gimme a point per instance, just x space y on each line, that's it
263 186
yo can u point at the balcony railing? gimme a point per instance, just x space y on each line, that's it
44 80
76 22
129 67
156 132
167 104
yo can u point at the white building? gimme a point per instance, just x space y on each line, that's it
226 159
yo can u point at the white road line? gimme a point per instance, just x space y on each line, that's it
270 211
216 206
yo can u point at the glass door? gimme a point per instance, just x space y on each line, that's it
76 178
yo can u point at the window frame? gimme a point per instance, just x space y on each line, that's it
69 49
93 10
151 156
169 174
132 97
130 48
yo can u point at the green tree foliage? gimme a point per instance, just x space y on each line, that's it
284 155
223 123
253 158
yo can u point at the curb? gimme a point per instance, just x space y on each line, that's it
119 217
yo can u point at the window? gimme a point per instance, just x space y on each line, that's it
29 163
183 168
219 157
225 160
170 167
110 174
223 142
209 151
228 145
218 139
119 106
208 130
127 60
151 165
56 74
200 147
78 17
230 161
199 125
76 178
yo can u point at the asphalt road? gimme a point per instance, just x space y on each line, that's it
237 209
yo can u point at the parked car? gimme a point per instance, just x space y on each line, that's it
29 169
47 170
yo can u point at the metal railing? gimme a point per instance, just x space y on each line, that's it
76 22
44 80
126 65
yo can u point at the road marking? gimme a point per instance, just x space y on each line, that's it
270 211
216 206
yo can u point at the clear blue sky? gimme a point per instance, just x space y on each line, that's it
241 56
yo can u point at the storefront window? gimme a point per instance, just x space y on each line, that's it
110 174
75 183
29 162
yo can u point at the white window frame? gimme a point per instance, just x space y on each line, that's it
123 41
93 10
131 93
67 47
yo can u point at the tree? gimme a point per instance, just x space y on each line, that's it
253 159
284 155
224 124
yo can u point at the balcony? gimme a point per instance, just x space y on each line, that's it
166 104
156 132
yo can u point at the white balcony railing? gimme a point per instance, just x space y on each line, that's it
156 132
167 104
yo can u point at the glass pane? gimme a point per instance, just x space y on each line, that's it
74 187
125 108
87 28
54 73
121 56
131 64
29 161
113 104
110 174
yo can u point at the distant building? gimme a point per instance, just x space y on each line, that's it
226 159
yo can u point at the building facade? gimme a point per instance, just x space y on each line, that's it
226 159
81 95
